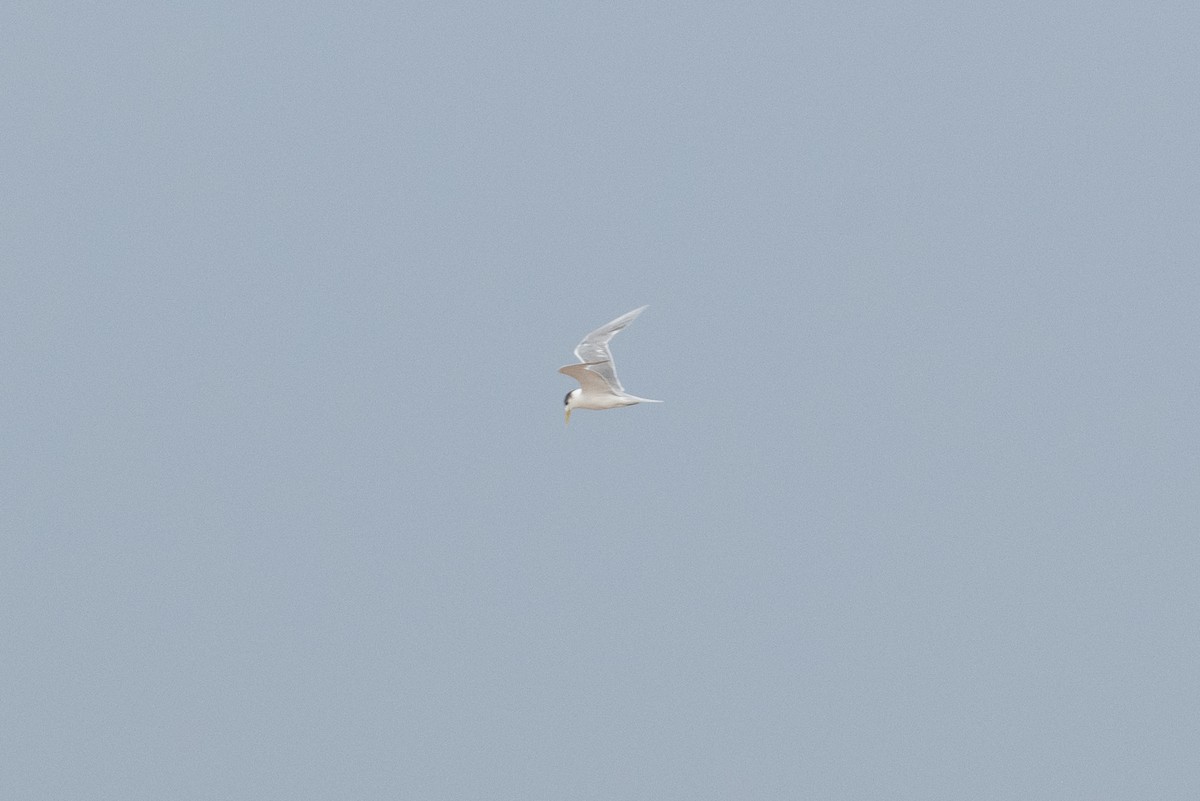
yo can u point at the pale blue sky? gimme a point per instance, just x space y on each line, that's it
289 510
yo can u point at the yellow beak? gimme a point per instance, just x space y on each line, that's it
568 420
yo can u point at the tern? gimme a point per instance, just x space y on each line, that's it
599 387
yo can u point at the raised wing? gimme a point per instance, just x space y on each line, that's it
592 382
593 350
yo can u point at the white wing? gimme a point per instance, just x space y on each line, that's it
593 383
593 350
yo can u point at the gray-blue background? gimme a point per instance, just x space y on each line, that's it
289 510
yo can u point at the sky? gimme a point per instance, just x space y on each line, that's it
288 507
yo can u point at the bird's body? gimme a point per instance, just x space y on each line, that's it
599 387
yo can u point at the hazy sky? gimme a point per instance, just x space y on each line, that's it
288 506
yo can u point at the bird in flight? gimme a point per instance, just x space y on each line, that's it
599 387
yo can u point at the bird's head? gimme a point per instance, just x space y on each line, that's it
569 402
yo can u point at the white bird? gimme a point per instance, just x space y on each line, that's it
596 374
